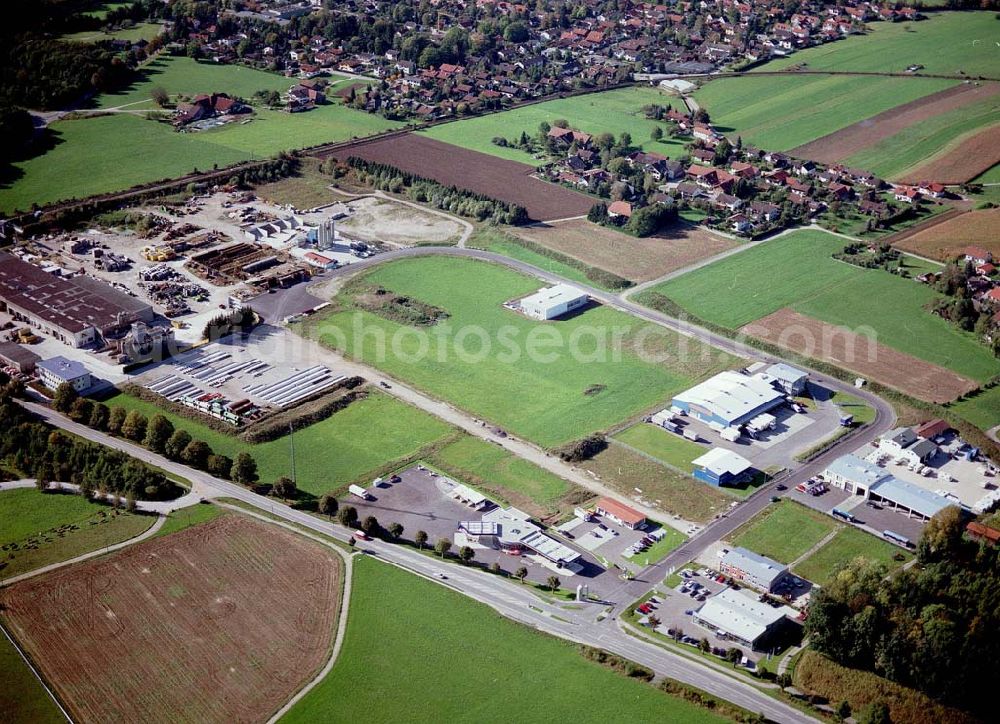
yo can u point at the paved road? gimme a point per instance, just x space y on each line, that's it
513 601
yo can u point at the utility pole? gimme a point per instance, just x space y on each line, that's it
291 442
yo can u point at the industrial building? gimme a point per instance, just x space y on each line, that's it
620 513
553 302
78 311
54 372
753 569
905 445
17 357
729 399
860 477
740 618
721 467
511 530
790 379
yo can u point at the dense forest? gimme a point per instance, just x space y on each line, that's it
933 627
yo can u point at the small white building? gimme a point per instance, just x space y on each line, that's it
57 370
790 379
904 445
553 302
741 618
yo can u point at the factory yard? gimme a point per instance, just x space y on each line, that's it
382 220
227 657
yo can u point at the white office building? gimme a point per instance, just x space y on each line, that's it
553 302
739 618
53 372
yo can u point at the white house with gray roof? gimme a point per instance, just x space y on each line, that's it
753 569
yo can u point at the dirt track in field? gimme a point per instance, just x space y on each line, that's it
858 353
627 256
964 161
857 137
484 174
221 622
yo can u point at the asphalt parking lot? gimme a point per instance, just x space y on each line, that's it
607 540
419 502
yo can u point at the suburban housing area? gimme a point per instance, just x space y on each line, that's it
651 351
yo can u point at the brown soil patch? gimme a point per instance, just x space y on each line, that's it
840 346
636 259
221 622
945 240
453 166
962 162
847 141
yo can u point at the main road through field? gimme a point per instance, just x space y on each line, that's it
509 599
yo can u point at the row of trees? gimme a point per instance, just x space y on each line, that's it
448 198
156 433
926 627
39 451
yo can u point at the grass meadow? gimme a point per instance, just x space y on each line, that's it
615 111
781 113
549 382
414 661
329 454
37 529
802 274
945 43
665 446
848 544
784 531
104 153
23 700
133 34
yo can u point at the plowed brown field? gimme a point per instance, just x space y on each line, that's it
858 353
453 166
222 622
945 240
863 134
962 162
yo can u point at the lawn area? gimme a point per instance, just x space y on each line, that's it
560 379
133 34
892 157
183 518
500 474
851 405
407 662
780 113
113 152
23 700
990 177
37 529
982 410
105 8
664 487
942 44
498 242
848 544
784 531
664 446
615 111
829 290
671 540
329 454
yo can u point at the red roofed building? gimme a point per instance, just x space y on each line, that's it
620 513
620 208
983 533
977 254
932 428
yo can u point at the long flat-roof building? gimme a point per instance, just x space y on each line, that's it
620 513
75 310
753 569
553 302
860 477
54 372
720 466
729 399
741 618
14 355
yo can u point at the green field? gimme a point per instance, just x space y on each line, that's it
102 12
784 531
912 147
329 454
946 43
415 661
546 381
498 242
781 113
851 405
801 274
133 34
848 544
989 177
38 529
23 700
982 410
112 152
501 474
664 446
614 111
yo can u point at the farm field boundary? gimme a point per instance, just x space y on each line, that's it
864 134
948 234
858 353
965 159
